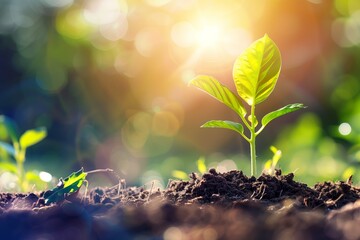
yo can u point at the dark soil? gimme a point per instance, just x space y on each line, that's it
214 206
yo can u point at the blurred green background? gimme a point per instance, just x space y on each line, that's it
108 79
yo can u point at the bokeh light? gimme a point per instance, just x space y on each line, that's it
344 129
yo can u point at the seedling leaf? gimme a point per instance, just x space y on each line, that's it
237 127
31 137
213 87
280 112
256 71
180 175
10 127
65 187
201 165
8 166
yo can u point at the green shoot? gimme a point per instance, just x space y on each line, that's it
201 166
65 187
180 175
348 173
270 164
69 186
18 151
255 74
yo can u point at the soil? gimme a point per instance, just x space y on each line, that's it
213 206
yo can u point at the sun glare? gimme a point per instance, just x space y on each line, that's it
209 36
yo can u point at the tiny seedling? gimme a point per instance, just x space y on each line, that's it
69 186
201 166
270 164
255 74
18 150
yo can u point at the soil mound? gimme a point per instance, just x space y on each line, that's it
212 206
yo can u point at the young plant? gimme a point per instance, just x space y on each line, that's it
69 186
201 166
255 74
18 151
270 164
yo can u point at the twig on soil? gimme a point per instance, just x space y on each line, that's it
100 170
263 192
257 193
152 186
86 183
121 181
168 183
333 202
280 193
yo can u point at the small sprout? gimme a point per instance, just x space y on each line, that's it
180 175
69 186
270 164
348 173
65 187
18 151
201 166
255 74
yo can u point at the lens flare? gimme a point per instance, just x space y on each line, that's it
209 36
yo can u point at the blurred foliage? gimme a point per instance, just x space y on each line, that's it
13 174
108 79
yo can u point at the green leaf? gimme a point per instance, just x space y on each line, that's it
65 187
10 127
180 174
213 87
201 165
8 167
237 127
282 111
276 157
256 71
31 137
253 120
8 148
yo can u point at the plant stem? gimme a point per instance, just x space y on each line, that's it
253 154
253 141
20 175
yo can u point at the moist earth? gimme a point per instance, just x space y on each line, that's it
213 206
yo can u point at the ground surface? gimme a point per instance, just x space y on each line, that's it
213 206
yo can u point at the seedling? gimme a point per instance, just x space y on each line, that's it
255 74
69 186
201 166
270 164
18 150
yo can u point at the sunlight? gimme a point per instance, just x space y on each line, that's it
209 36
101 12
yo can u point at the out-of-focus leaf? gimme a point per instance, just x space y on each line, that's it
8 167
268 165
237 127
276 157
8 148
213 87
256 71
65 187
33 179
201 165
180 175
10 127
31 137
